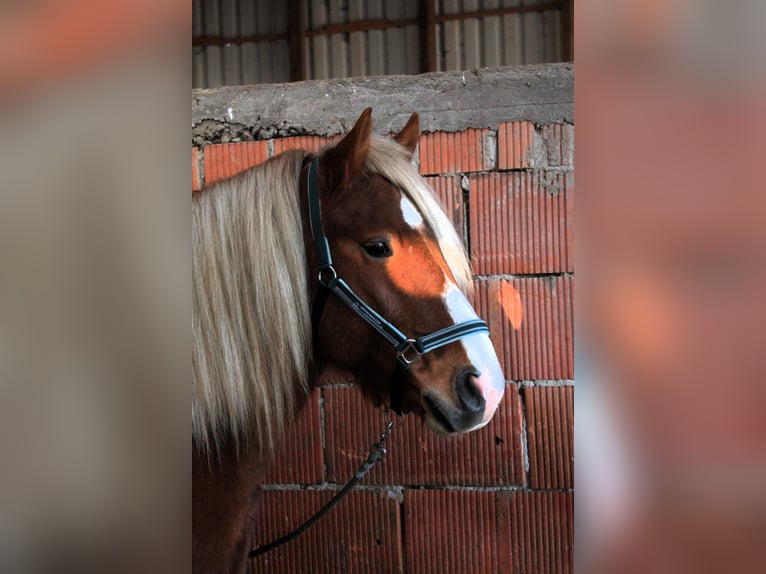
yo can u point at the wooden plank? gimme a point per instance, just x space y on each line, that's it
567 30
215 40
428 36
297 27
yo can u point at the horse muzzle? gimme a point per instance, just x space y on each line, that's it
470 407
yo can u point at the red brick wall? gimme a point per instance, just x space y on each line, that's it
496 500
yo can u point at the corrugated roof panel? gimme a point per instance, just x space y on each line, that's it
199 79
338 43
258 56
357 41
401 44
250 67
501 40
211 15
232 66
492 37
451 49
376 55
532 28
552 40
318 67
471 37
513 39
280 50
198 52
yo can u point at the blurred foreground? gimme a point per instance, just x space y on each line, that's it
94 286
671 224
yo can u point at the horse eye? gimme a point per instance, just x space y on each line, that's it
378 249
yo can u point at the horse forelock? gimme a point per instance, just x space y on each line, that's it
391 161
250 321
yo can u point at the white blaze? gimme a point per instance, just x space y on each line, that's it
478 347
480 352
410 213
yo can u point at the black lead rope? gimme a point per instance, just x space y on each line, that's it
377 453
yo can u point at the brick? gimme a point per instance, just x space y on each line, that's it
559 144
299 458
541 346
453 532
489 456
515 145
522 222
196 183
310 143
226 160
540 527
550 432
459 152
450 193
361 534
488 532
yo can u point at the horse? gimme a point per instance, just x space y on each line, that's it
309 262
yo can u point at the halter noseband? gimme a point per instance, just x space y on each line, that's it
408 350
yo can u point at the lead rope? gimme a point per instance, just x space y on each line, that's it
377 453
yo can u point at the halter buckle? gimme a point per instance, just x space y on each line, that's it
408 353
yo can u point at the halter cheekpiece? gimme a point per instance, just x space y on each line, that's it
408 350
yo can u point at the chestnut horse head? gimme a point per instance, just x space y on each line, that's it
355 234
396 315
357 220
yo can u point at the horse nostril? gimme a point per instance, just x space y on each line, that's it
469 394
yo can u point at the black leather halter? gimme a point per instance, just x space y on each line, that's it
408 350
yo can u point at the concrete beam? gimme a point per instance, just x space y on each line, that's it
446 101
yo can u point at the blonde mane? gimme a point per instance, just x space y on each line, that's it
251 323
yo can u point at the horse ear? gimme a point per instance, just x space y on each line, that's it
410 134
348 156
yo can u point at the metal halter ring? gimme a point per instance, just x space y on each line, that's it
408 346
331 269
391 424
